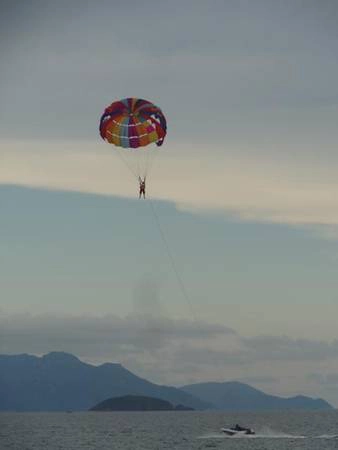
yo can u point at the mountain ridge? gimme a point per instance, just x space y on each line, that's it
234 395
60 381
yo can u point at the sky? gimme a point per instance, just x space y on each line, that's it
229 270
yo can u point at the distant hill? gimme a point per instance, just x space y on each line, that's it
136 403
59 381
240 396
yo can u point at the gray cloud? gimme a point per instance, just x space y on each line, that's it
194 343
329 380
259 380
66 59
261 350
106 335
281 348
209 357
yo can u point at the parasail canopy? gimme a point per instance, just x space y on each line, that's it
132 123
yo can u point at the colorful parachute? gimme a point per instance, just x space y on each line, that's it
132 123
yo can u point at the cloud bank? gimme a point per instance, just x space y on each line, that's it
253 188
177 351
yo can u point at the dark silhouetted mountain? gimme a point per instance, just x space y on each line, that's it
60 381
240 396
137 403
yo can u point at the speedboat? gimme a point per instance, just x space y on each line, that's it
238 431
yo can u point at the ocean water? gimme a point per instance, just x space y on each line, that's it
167 430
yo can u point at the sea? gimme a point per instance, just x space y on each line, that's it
167 430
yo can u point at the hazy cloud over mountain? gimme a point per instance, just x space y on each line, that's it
173 351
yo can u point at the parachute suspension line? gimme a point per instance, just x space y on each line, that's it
138 165
125 162
172 261
147 162
151 160
142 158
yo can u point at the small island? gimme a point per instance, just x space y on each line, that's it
137 403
